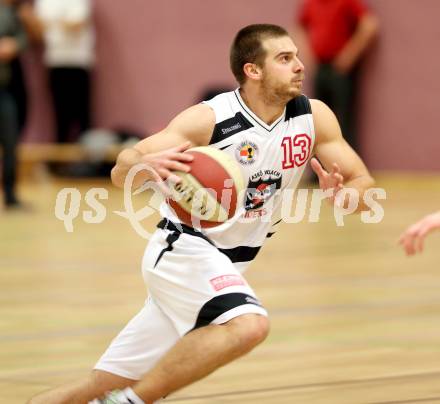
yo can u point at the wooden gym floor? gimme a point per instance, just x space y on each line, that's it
353 320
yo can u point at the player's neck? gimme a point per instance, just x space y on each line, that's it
266 111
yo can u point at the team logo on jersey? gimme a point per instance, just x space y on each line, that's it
262 186
246 153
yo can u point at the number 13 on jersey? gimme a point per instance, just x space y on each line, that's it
296 150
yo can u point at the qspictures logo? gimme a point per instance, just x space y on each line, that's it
305 204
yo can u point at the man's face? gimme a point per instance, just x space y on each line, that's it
282 72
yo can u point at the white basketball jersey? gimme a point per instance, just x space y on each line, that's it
272 158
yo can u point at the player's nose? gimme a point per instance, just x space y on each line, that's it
298 66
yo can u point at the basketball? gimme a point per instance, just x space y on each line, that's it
209 194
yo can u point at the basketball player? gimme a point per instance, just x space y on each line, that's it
413 237
201 313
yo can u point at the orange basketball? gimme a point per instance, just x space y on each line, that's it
209 194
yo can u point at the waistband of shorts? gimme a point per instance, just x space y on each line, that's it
237 254
167 224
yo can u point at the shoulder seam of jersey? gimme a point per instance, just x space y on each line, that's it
298 106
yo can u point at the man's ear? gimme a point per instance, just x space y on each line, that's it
252 71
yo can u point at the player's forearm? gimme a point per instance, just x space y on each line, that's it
127 159
361 184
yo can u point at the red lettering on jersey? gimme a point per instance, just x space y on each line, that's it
296 150
255 213
225 281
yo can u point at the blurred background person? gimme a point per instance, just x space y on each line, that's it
335 35
69 57
17 85
12 42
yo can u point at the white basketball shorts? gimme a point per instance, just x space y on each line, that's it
191 284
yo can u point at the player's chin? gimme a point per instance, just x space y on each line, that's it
297 85
294 91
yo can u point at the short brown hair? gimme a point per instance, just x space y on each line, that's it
247 47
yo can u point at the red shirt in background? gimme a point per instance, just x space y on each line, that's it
330 24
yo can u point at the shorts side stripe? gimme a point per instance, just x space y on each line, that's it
221 304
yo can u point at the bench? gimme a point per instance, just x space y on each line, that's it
31 153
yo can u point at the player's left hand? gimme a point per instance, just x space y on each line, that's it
333 180
413 237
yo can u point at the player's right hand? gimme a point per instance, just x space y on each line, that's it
413 237
157 167
167 161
